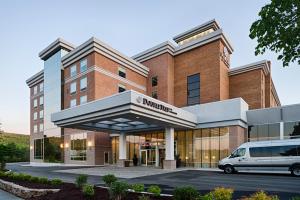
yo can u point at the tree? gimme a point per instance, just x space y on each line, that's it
278 30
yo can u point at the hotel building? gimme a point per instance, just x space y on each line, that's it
178 101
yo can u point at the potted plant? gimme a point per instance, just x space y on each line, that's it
135 160
178 161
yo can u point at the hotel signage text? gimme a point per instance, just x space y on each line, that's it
157 106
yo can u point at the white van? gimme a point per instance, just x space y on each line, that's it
279 155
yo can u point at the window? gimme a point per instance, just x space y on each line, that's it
83 99
35 90
41 87
238 153
291 130
41 127
83 83
121 88
154 95
41 100
83 65
122 72
78 146
275 151
260 152
264 132
106 157
73 88
193 89
73 71
154 81
35 116
35 103
38 149
73 103
41 114
35 129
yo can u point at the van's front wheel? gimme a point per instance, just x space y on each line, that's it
228 169
295 171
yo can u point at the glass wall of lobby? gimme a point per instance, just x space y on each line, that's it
192 148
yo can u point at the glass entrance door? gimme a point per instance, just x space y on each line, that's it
144 157
148 157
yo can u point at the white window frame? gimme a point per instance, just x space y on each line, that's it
35 115
83 86
34 103
75 87
73 71
121 86
41 114
35 90
83 102
82 64
35 128
121 69
73 100
41 86
41 128
41 100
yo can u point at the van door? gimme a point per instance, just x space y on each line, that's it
260 158
239 159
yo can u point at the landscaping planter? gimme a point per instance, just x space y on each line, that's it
24 192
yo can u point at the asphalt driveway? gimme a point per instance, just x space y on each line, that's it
283 185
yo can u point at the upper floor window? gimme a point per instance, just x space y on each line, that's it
83 99
35 103
73 71
72 103
193 89
41 87
41 127
122 72
122 88
41 114
154 95
35 129
73 88
41 100
83 65
83 83
35 89
154 81
35 116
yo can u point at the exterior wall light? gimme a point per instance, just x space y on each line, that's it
31 147
61 145
67 145
89 144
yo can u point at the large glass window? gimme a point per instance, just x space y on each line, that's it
122 72
73 103
38 149
78 146
41 127
41 114
264 132
41 87
291 130
83 65
35 128
154 81
35 89
35 116
73 88
83 99
35 103
274 151
193 89
41 100
83 83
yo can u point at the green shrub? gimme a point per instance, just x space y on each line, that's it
43 180
154 189
109 179
219 193
2 174
144 197
88 190
27 177
118 190
81 180
34 179
56 181
295 198
138 187
186 193
261 195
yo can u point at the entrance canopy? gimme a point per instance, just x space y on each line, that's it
128 111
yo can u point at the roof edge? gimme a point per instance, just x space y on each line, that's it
35 78
58 44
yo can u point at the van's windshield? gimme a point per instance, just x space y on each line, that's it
238 153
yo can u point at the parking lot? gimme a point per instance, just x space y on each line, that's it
284 185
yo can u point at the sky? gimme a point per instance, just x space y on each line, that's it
130 26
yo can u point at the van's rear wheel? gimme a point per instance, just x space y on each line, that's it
295 171
228 169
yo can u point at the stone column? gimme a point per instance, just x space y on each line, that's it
122 150
281 130
169 162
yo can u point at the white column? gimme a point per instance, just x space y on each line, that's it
169 135
156 156
281 130
122 147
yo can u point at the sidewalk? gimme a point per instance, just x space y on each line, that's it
7 196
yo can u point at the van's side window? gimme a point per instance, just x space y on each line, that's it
275 151
238 153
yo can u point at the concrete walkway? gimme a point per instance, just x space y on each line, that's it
7 196
121 172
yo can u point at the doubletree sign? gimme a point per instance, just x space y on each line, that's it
155 105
